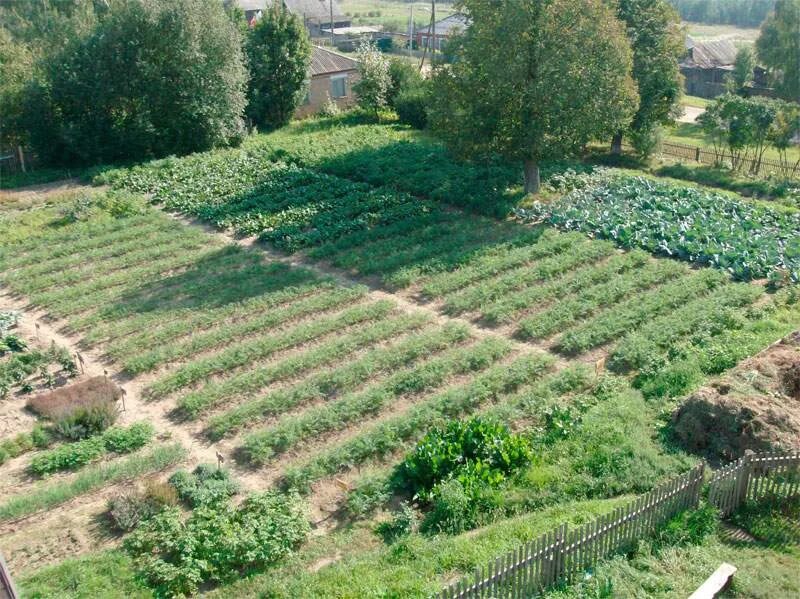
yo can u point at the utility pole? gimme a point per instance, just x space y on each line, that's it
331 5
410 29
433 48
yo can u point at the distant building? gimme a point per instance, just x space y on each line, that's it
331 76
442 30
706 66
315 14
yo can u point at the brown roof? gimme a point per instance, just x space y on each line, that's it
325 61
317 10
710 54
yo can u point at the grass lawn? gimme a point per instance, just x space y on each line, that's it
695 101
393 14
691 134
702 31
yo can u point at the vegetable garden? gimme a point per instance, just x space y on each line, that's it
385 316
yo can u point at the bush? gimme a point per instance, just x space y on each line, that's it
86 421
134 87
206 485
411 106
402 524
126 440
477 452
62 402
370 492
216 543
128 510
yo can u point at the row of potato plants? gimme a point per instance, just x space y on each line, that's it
326 355
747 239
432 372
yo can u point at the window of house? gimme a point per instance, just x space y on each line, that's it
338 86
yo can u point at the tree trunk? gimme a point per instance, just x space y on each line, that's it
531 176
616 144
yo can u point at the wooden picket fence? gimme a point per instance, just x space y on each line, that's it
703 156
754 477
560 555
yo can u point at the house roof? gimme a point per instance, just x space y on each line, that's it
324 61
710 54
310 9
455 23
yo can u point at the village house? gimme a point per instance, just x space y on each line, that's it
331 76
316 14
441 31
706 66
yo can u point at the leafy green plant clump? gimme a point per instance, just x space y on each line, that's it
205 485
174 556
748 240
454 468
72 456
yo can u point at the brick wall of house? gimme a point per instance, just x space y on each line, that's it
319 89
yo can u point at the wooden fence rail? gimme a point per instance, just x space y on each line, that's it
7 590
562 554
703 156
754 477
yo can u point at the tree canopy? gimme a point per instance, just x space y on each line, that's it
534 80
278 52
148 79
656 38
778 47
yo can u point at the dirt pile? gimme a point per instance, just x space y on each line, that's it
755 406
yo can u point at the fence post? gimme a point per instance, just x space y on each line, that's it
743 480
697 154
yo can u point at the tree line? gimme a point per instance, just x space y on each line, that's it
742 13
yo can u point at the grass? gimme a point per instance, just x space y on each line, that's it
47 495
692 134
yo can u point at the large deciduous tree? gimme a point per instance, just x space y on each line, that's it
375 81
778 47
278 51
149 79
653 28
534 81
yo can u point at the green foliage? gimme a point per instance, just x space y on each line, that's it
767 188
217 543
658 45
370 492
404 521
278 55
771 519
690 527
86 421
742 13
375 82
71 456
411 105
404 76
514 98
130 509
743 68
475 452
154 97
778 47
206 485
50 494
748 240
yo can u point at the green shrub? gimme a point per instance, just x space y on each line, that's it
206 485
475 451
86 421
402 524
404 76
217 543
411 106
371 491
126 440
128 510
70 456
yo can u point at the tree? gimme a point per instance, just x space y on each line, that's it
373 86
778 47
656 38
534 81
784 128
149 79
743 68
403 76
278 52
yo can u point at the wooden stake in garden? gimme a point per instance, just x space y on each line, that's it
122 398
220 460
80 361
36 324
